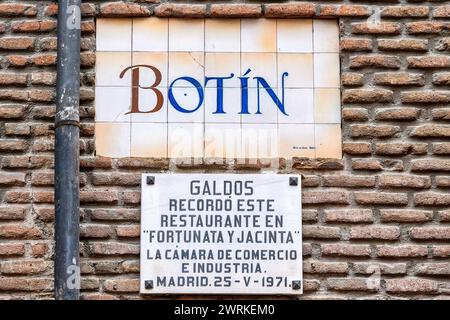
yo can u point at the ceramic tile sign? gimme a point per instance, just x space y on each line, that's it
217 88
221 234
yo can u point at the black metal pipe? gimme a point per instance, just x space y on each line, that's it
67 193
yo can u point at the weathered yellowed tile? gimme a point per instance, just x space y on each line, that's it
109 66
112 139
182 64
147 75
186 140
299 67
231 105
259 141
294 35
327 105
296 140
328 141
223 65
223 140
258 35
298 106
112 104
113 34
326 35
186 34
261 65
149 139
152 105
326 70
150 34
222 35
187 104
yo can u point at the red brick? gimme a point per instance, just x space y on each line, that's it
422 97
319 232
356 44
95 231
402 251
321 197
375 61
121 285
235 10
411 285
26 284
17 43
34 26
355 114
16 10
345 250
356 148
119 179
289 10
367 95
405 215
113 248
434 269
98 196
320 267
441 114
12 213
430 165
402 45
12 249
317 164
348 181
441 251
128 231
349 216
180 10
392 114
376 28
424 27
28 267
441 12
9 231
352 79
350 284
399 79
404 181
375 232
344 11
405 11
123 9
428 233
373 131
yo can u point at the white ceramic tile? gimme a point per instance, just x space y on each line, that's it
149 139
223 65
268 108
112 139
186 34
222 35
259 141
186 64
328 141
113 34
296 140
299 67
327 105
112 104
150 34
188 99
294 35
109 66
148 101
326 35
159 60
258 35
262 65
186 140
298 105
326 70
231 105
223 140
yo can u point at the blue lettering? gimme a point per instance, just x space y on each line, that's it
219 91
196 84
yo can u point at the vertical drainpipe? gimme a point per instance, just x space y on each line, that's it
67 193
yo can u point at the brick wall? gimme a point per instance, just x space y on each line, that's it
383 207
